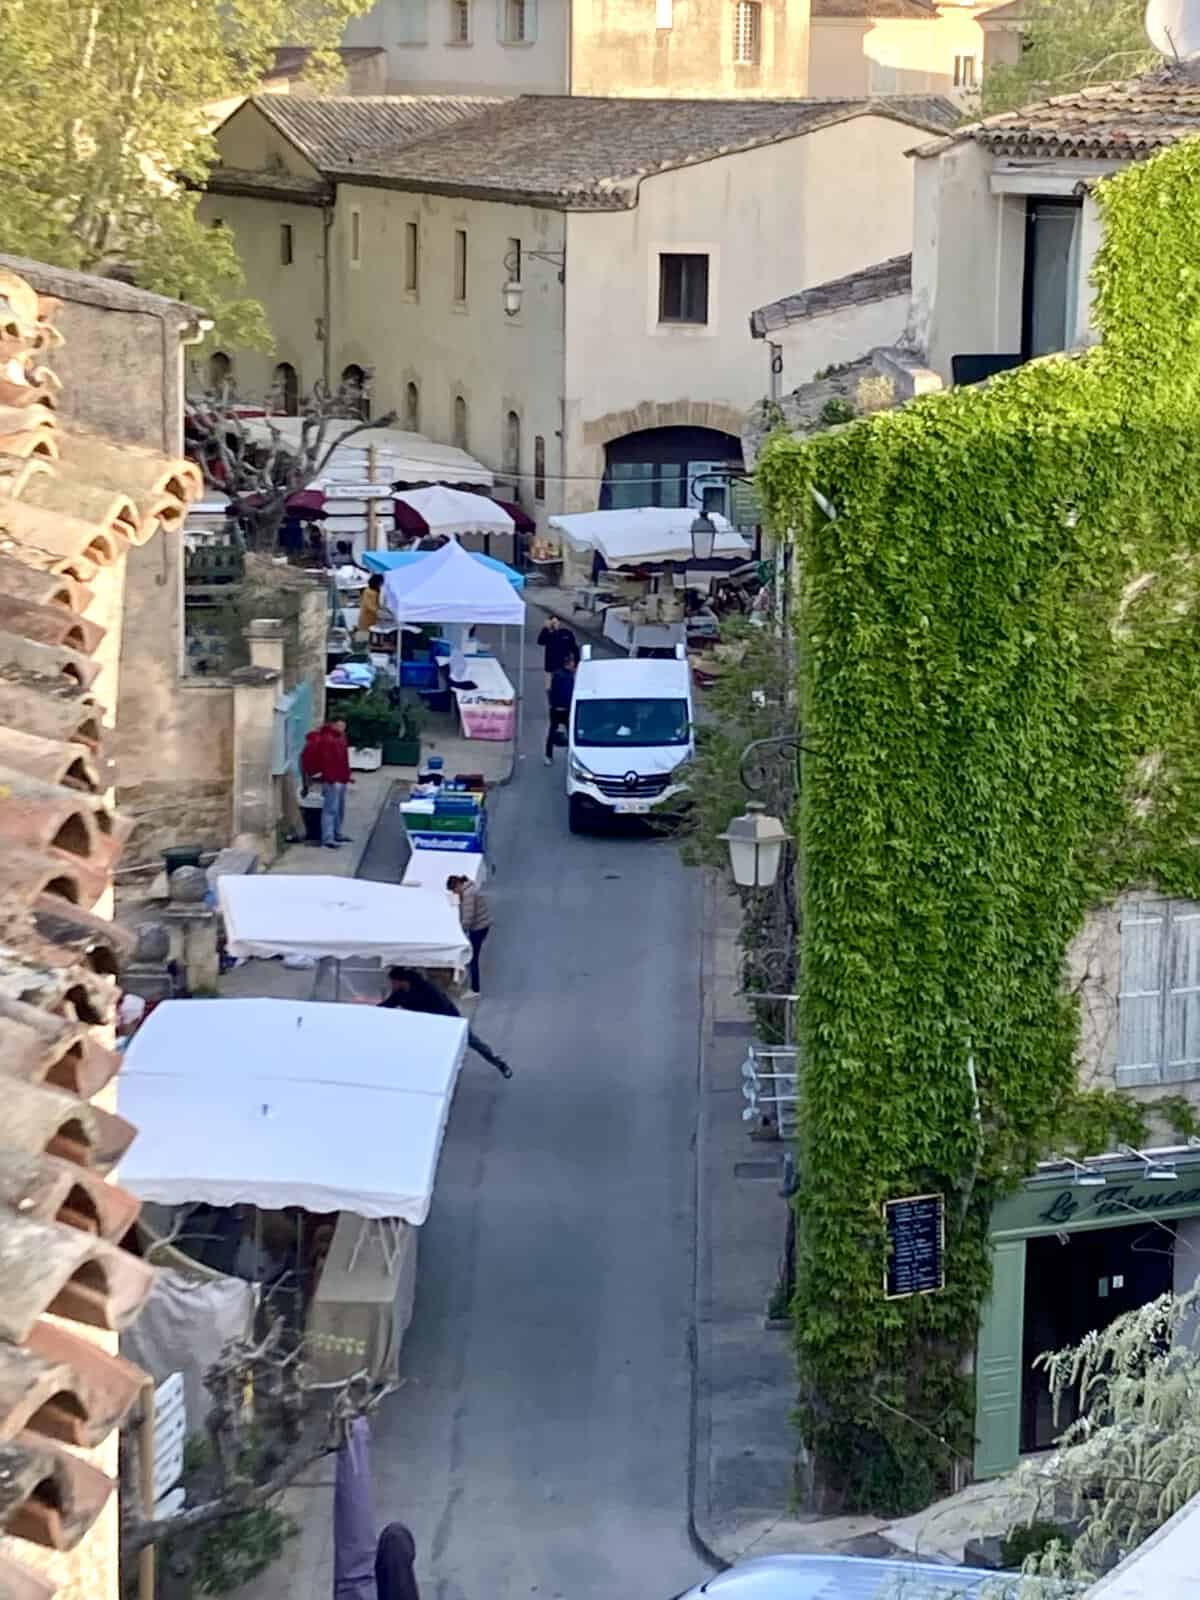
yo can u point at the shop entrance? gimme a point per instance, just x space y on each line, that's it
1077 1282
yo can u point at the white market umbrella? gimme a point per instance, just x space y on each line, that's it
457 511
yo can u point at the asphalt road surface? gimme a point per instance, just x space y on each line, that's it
540 1444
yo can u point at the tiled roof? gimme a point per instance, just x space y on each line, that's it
869 10
71 504
330 129
881 281
576 152
268 185
1113 122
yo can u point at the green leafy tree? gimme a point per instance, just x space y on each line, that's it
1070 44
108 107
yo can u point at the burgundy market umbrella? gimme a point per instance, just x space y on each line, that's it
354 1517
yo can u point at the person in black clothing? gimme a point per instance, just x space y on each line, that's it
562 688
412 991
557 644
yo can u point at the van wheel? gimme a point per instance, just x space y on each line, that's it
576 816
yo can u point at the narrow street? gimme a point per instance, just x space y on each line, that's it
541 1442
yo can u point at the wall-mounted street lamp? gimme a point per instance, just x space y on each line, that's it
704 537
1156 1171
513 288
756 843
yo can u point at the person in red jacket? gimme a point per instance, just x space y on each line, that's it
326 759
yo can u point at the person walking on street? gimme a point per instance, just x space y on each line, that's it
476 918
562 689
409 990
395 1558
326 759
557 642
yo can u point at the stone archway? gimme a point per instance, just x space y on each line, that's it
713 414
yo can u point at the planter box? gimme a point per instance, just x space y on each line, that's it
367 760
402 752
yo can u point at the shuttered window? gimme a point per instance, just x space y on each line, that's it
516 21
1158 1022
747 32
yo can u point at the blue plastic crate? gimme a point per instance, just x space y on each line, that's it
419 674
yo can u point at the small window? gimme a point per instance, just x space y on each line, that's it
460 265
412 257
286 256
965 70
286 389
512 261
512 445
220 372
355 237
683 289
747 33
517 21
460 21
539 467
664 19
1158 1017
356 391
412 408
460 422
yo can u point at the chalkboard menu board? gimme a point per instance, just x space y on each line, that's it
916 1236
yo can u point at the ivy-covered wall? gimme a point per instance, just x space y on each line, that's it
1000 667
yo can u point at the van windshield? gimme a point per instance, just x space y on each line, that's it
634 724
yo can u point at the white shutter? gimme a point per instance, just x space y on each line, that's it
1139 1006
412 22
1183 994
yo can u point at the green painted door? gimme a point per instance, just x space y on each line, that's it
998 1364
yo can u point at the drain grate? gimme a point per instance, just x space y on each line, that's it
762 1171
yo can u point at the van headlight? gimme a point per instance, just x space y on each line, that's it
578 770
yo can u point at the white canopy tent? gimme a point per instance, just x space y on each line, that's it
450 586
398 456
457 511
645 534
276 1103
276 914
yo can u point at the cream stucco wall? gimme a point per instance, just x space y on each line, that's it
969 253
618 48
496 363
814 343
895 55
773 221
486 64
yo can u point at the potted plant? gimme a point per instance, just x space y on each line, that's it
369 721
402 745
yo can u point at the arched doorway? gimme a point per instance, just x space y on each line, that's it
460 422
220 372
286 389
356 385
412 408
668 467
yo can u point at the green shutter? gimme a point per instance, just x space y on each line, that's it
998 1364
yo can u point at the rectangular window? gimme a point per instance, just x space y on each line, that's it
512 261
965 68
539 467
412 22
516 21
285 244
412 257
460 21
460 266
747 33
1158 1009
1051 276
683 289
355 238
664 18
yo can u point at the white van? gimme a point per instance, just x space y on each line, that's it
630 730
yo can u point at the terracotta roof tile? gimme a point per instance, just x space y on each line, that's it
70 503
881 281
569 151
1112 122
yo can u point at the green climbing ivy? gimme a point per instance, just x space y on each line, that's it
999 663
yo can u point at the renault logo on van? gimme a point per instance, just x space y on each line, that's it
631 779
